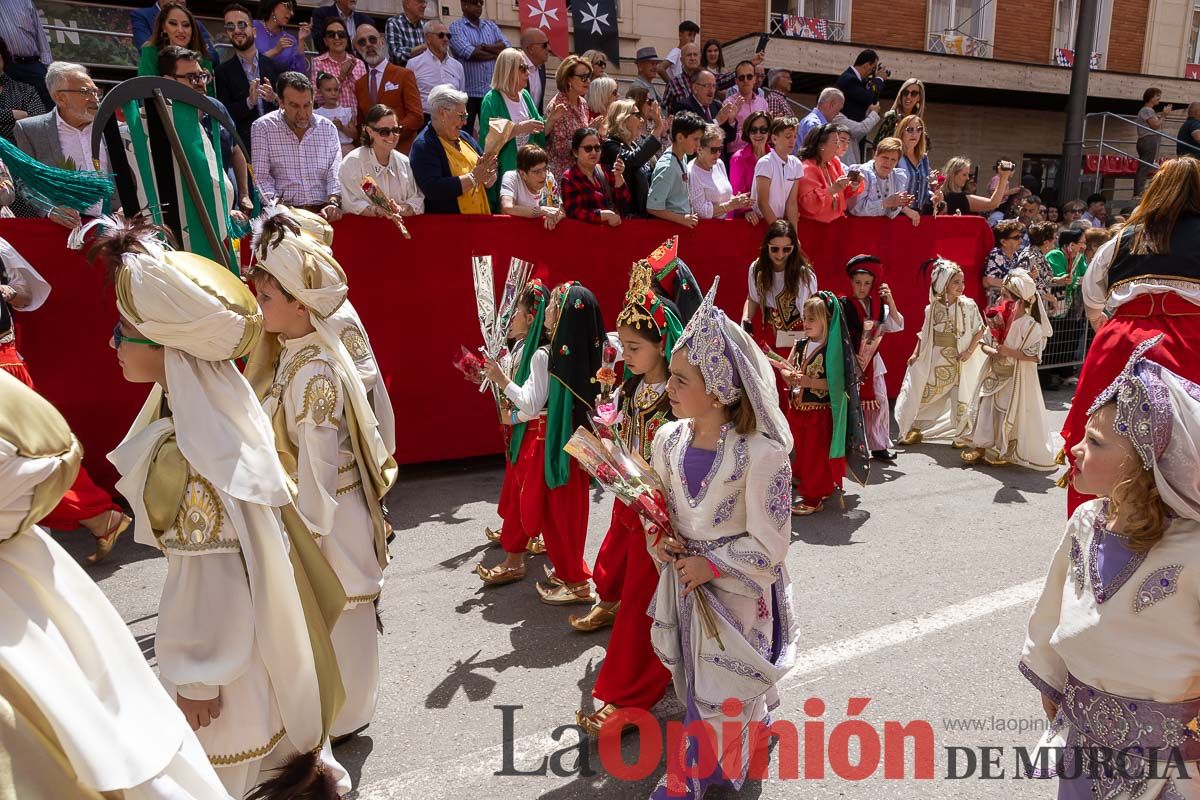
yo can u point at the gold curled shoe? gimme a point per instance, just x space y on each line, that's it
911 438
105 543
799 509
592 723
491 535
596 618
997 462
499 574
535 546
563 595
972 456
551 578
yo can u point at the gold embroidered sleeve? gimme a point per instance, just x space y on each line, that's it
320 402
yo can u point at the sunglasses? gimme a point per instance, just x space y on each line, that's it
442 35
637 115
365 40
757 130
744 78
523 67
240 25
911 93
911 129
196 78
336 35
784 250
387 131
119 337
716 151
583 76
589 148
599 63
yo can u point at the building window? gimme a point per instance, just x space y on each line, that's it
828 20
1066 21
961 27
1194 41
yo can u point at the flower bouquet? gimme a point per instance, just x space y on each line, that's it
606 376
469 364
381 201
627 475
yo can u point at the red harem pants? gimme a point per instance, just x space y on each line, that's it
609 572
631 675
561 515
815 473
1136 321
84 499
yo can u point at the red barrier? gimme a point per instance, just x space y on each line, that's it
417 300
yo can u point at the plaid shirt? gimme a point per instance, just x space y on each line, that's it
402 36
583 200
299 172
777 104
679 89
464 38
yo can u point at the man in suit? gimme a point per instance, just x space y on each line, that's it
703 100
63 137
536 47
389 84
246 82
141 21
343 10
861 84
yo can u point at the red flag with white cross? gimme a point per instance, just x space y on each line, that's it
551 17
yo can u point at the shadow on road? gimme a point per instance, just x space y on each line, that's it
353 753
832 526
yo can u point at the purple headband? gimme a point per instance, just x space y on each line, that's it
1144 413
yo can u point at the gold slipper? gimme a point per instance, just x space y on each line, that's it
799 509
499 574
491 535
535 546
596 618
551 578
592 723
911 438
105 543
564 595
972 456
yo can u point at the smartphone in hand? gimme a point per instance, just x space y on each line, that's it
762 43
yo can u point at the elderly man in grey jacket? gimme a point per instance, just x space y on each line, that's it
63 137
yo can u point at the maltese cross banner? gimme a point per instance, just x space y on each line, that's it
596 28
549 16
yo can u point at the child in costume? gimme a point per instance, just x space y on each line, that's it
819 408
625 575
551 487
867 320
1007 418
327 438
243 640
944 368
81 713
722 612
1112 642
84 503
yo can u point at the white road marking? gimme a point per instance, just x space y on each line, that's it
478 767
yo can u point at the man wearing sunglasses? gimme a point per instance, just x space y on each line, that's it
386 83
343 10
476 42
245 83
434 66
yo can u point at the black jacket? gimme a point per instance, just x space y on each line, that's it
233 88
639 159
859 94
693 105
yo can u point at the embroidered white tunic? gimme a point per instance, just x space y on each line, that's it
1138 636
741 520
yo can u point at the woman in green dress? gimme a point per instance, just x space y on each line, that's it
509 99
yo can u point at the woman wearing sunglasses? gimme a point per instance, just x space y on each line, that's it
909 101
915 163
626 142
379 160
567 112
591 193
741 165
338 60
175 25
712 195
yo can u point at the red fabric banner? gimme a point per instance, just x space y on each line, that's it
416 298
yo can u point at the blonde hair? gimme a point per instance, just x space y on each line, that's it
816 306
1135 496
711 132
507 72
562 75
920 108
922 144
599 92
1173 192
889 144
618 113
953 166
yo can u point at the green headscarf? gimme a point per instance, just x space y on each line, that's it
835 374
532 339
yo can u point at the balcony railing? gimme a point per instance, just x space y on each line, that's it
958 44
826 30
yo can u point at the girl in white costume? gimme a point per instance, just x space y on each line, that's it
80 711
327 437
1007 418
243 628
944 368
728 485
1114 641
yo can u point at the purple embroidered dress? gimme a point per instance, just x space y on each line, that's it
1114 639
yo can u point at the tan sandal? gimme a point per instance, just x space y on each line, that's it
551 578
499 574
596 618
799 509
911 438
564 595
491 535
592 723
105 543
535 546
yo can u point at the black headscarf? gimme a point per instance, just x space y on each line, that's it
575 356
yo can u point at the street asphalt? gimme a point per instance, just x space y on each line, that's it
916 597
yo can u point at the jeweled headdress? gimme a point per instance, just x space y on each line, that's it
642 305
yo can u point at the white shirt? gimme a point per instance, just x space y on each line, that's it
396 180
782 174
343 114
530 397
518 113
1097 297
674 58
512 186
76 144
708 187
805 290
535 82
431 72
